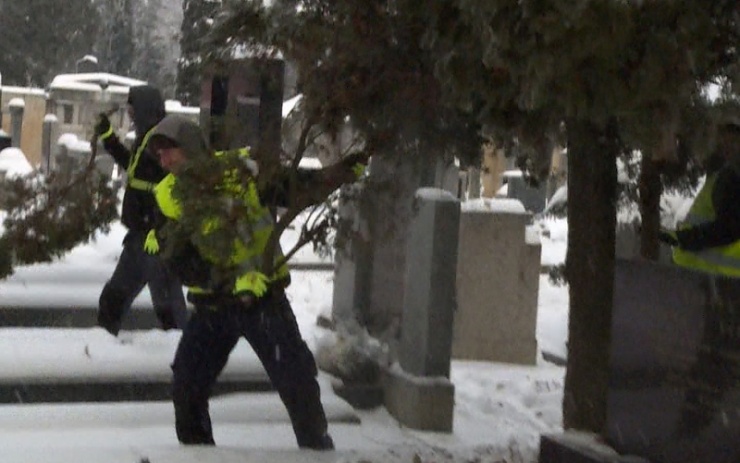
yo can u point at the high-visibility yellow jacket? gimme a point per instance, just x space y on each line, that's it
719 260
247 250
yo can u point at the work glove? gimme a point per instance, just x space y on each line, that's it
253 282
103 127
359 170
151 244
668 237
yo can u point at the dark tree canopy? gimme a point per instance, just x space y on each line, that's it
613 76
115 47
532 65
155 44
358 59
42 38
602 77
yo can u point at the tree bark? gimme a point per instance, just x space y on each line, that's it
650 189
592 181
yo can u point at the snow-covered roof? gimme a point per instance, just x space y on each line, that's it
24 90
90 81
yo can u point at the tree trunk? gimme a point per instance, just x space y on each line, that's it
650 189
592 182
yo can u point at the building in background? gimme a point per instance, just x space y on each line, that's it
77 99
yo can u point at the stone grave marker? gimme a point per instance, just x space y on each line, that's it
674 392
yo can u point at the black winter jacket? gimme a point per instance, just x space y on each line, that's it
139 207
725 228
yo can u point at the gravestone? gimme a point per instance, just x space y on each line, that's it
580 447
352 261
497 283
17 108
674 390
387 207
473 185
241 105
533 199
417 389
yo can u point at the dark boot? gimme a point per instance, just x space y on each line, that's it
167 320
192 419
302 398
324 442
111 307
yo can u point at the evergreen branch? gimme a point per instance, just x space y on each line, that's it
307 235
82 177
45 220
305 194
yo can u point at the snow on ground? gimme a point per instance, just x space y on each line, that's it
500 409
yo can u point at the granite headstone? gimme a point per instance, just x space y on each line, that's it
674 392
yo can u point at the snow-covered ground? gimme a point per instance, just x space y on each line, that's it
500 409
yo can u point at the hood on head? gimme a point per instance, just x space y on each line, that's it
184 133
148 107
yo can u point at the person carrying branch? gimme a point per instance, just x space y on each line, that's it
135 268
220 244
709 238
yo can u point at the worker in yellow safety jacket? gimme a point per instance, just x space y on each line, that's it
709 237
246 303
136 269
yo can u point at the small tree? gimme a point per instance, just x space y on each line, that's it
45 216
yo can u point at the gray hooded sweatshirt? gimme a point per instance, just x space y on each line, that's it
184 132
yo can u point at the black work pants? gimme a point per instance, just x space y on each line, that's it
134 270
270 327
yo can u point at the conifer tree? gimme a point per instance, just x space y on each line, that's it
41 39
116 44
198 17
615 76
604 77
156 46
45 216
356 61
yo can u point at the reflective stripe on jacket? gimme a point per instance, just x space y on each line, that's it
132 181
720 260
249 247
